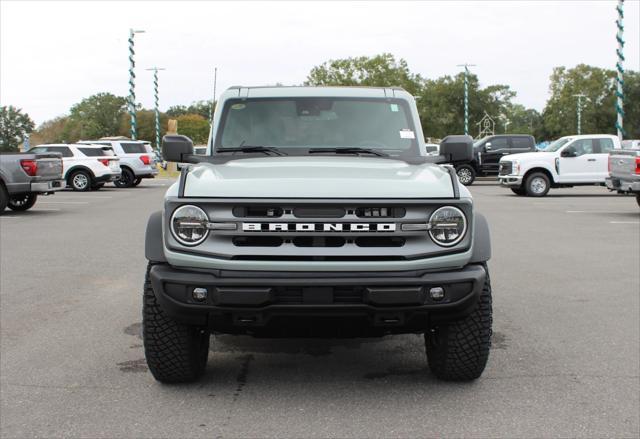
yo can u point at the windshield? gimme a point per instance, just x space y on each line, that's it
300 124
554 146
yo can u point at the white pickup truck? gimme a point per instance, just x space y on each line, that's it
567 162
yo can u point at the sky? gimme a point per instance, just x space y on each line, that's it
54 54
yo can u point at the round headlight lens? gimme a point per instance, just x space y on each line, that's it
447 226
189 225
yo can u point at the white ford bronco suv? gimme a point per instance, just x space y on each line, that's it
316 212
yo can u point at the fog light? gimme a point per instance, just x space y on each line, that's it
436 293
199 294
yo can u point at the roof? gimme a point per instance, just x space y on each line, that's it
313 91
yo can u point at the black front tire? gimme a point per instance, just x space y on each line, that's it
137 181
637 200
4 198
519 191
459 351
175 353
126 179
23 202
466 174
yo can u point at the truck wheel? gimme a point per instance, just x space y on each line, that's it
519 190
637 200
126 179
466 174
23 202
137 181
80 181
4 198
459 351
175 353
537 184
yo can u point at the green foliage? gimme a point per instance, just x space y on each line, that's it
146 120
195 127
631 90
96 116
51 131
200 107
14 124
379 71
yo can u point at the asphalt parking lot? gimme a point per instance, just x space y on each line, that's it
565 359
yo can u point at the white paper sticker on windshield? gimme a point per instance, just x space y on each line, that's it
407 134
394 108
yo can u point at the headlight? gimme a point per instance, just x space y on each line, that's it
516 168
189 225
447 226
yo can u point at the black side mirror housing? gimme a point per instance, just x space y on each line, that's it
568 152
457 148
176 148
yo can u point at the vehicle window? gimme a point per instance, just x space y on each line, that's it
36 150
92 152
499 143
291 123
583 146
556 145
606 145
64 150
133 148
520 143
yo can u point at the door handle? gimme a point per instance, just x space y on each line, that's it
591 160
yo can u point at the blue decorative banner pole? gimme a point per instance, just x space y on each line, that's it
620 70
156 103
579 110
132 84
466 95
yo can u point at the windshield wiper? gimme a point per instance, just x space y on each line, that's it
348 150
265 149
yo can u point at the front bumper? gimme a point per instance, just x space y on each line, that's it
43 187
617 184
510 180
253 302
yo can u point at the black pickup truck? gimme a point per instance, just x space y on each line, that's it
487 153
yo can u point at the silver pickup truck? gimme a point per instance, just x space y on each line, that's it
25 176
624 172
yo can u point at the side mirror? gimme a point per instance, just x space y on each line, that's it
457 148
176 148
487 146
568 152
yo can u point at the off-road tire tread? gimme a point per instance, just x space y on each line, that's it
175 353
459 351
30 203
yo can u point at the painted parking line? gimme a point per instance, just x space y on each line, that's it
624 222
37 209
84 196
598 211
64 202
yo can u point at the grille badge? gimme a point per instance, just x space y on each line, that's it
318 227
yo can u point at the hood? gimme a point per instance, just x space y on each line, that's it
528 156
318 177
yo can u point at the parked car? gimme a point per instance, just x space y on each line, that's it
25 176
487 153
137 159
86 167
631 144
624 171
567 162
337 227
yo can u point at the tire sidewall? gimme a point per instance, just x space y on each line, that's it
533 180
30 201
469 174
126 179
72 178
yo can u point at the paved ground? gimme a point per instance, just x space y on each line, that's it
565 358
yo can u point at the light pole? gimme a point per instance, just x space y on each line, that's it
156 103
620 71
579 110
215 79
132 84
466 95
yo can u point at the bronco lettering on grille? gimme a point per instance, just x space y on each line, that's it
318 227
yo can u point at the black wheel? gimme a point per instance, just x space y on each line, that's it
459 350
637 200
4 198
137 181
175 353
466 174
126 179
22 202
80 181
537 184
97 187
518 190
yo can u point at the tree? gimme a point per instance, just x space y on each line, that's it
379 71
195 127
199 107
14 124
631 89
146 120
96 116
51 131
